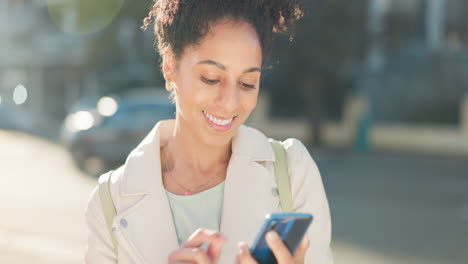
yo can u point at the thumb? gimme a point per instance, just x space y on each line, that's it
299 255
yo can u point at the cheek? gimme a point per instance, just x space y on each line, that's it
185 89
250 101
191 93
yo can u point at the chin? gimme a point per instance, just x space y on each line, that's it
218 140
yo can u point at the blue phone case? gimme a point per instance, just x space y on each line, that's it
290 227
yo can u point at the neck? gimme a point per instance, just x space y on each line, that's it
187 152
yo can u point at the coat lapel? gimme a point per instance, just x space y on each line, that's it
149 232
145 225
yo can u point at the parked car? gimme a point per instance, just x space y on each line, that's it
18 118
99 142
11 118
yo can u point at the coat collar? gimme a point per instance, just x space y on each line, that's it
247 143
151 234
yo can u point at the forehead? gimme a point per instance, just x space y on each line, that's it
233 44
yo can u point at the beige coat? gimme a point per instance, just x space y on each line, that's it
144 227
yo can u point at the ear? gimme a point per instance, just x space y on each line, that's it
168 65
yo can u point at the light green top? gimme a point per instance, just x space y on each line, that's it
195 211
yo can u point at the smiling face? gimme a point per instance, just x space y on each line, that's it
217 82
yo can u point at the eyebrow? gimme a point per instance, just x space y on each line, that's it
222 67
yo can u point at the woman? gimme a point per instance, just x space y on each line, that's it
198 187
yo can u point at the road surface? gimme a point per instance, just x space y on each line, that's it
386 208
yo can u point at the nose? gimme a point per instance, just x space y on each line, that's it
228 98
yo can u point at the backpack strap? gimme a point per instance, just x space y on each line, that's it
282 177
282 181
108 208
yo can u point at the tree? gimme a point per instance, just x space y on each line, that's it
331 35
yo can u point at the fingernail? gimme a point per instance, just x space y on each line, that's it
242 246
223 238
209 232
245 247
272 236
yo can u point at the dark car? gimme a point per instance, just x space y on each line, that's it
106 142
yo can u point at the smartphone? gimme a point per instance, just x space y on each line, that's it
290 227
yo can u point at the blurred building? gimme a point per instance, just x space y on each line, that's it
422 62
35 53
410 89
414 69
56 52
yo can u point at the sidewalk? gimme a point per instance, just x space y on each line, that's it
386 208
396 208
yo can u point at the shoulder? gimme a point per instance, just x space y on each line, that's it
295 147
259 144
306 180
298 156
114 178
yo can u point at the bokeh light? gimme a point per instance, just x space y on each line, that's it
20 94
70 123
107 106
80 17
83 120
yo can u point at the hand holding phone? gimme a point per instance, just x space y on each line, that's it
290 228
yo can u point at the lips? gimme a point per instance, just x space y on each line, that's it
217 120
218 123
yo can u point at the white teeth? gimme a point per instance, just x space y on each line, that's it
217 121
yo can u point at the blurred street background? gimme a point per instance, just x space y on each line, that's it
377 89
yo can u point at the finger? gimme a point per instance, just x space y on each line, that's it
201 236
189 255
244 257
278 248
299 255
214 250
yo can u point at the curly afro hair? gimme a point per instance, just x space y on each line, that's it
181 23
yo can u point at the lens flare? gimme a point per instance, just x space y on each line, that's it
81 17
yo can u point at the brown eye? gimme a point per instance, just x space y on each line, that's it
208 81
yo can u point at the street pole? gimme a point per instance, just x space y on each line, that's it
435 24
374 65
